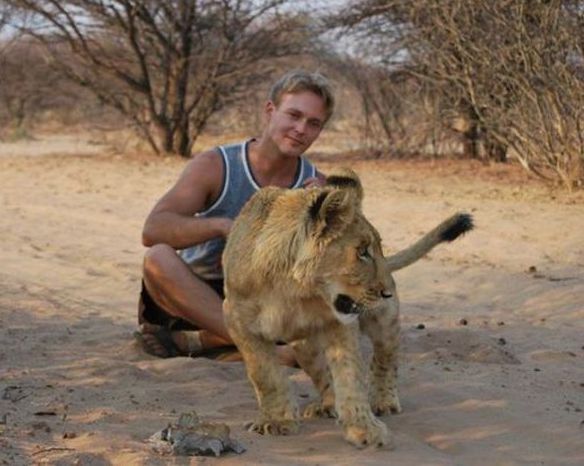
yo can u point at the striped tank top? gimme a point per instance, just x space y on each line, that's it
238 186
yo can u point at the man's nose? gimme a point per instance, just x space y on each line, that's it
300 126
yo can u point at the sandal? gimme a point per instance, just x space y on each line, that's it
164 341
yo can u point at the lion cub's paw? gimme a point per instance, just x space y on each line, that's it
375 434
317 409
387 405
273 426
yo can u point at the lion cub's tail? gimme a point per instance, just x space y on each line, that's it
448 230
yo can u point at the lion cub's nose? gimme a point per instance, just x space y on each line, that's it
386 294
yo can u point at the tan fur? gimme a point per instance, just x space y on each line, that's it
294 261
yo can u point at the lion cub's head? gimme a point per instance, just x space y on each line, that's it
340 253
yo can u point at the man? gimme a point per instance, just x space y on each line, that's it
180 310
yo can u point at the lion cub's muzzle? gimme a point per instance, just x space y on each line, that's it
346 305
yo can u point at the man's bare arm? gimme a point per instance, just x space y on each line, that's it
172 219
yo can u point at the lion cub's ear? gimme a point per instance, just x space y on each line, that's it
330 212
345 178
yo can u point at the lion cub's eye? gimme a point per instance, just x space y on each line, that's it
363 252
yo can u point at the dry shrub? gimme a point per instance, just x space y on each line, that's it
510 71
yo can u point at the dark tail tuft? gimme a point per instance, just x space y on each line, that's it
462 224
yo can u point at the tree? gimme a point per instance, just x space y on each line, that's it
511 70
165 65
5 19
27 85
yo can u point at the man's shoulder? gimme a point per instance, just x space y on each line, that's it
228 150
207 157
204 166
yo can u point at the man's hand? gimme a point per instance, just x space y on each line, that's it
224 225
314 182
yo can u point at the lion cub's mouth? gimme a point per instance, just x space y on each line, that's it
346 305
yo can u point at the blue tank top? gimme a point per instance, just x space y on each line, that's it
238 186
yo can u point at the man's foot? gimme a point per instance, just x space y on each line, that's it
161 342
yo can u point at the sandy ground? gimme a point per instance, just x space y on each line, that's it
492 366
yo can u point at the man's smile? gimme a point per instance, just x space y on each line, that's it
295 141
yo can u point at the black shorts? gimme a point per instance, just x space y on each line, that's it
150 312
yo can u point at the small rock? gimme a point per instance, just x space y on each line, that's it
420 326
502 341
463 322
69 435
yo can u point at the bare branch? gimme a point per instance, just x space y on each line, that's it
166 65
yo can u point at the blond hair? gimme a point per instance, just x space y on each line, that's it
296 81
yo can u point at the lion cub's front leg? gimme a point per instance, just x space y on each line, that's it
382 327
361 426
310 355
278 410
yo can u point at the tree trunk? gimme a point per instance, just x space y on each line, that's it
470 142
183 142
495 151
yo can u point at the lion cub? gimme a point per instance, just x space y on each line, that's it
307 268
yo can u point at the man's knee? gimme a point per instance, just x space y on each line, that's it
156 258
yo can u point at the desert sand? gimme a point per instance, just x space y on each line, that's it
492 361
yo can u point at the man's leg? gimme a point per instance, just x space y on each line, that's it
173 286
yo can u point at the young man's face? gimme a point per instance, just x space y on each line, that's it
296 122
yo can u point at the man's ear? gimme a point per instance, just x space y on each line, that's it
331 211
269 108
